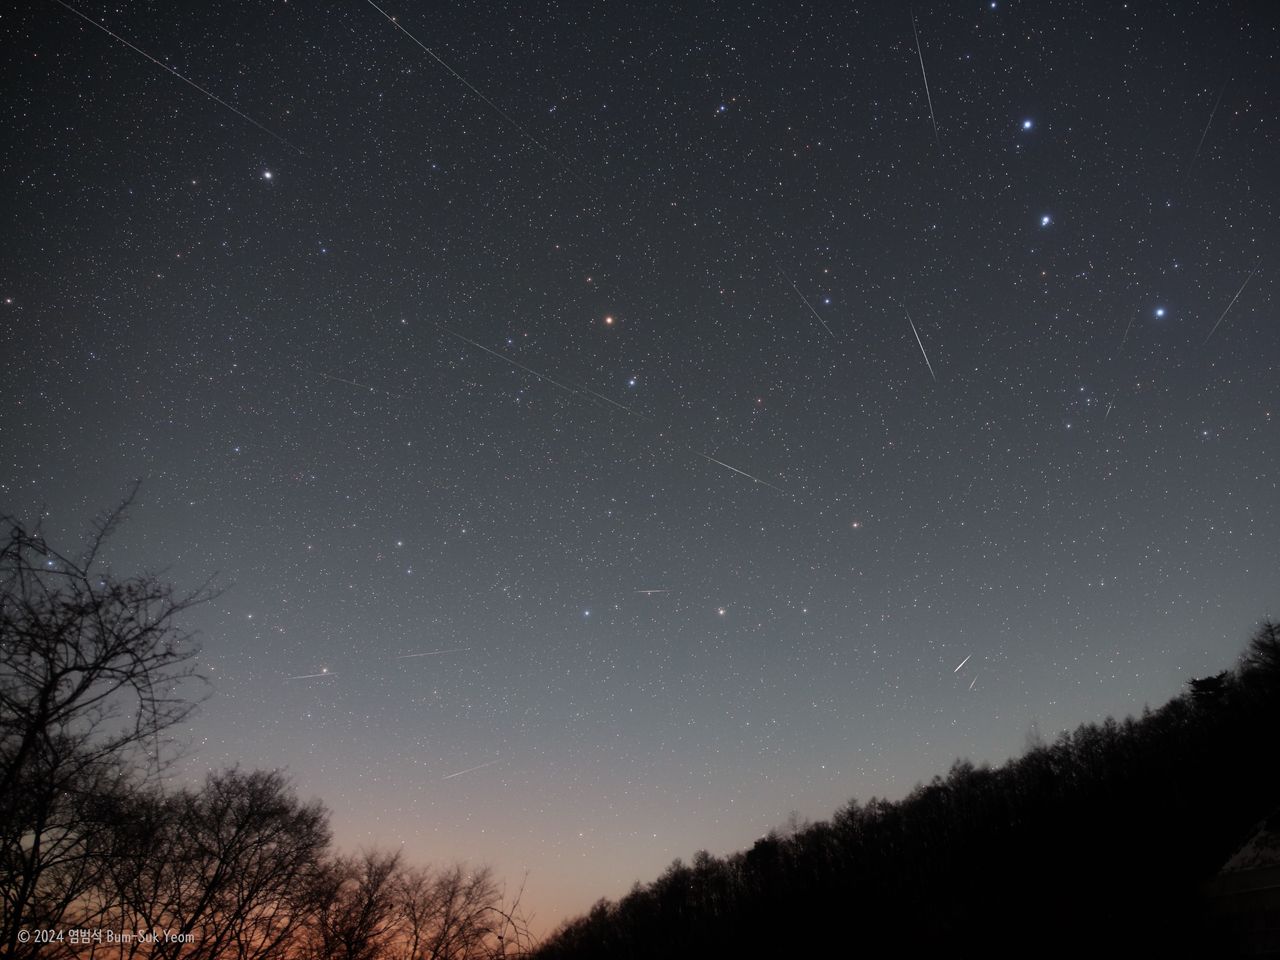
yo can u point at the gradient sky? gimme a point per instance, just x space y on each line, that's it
439 360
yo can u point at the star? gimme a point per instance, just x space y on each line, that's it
1027 124
1159 311
1045 220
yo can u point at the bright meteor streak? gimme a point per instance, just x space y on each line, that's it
962 663
918 340
924 76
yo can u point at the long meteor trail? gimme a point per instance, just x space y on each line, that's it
432 653
924 76
577 391
352 383
1199 146
728 466
584 391
919 341
962 663
191 83
471 769
1233 301
559 160
815 313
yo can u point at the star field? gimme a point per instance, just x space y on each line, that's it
615 423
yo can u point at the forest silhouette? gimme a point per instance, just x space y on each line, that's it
1102 843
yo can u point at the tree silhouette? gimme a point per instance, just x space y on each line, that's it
1098 843
93 679
92 671
230 870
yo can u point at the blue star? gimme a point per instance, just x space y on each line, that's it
1159 311
1046 220
1027 124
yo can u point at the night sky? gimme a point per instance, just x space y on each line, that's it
614 424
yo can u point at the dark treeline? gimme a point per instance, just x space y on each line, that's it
100 856
1096 845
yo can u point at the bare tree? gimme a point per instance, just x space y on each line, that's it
230 870
458 914
357 913
92 671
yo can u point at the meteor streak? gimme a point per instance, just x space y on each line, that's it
816 316
353 383
924 76
472 769
1125 338
577 391
580 391
1205 133
514 363
736 470
560 161
1233 301
432 653
962 663
917 333
191 83
312 676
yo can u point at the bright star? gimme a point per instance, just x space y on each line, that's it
266 174
1046 220
1159 311
1027 124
